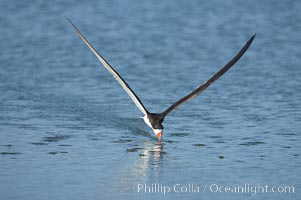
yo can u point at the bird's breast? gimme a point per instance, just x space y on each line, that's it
146 120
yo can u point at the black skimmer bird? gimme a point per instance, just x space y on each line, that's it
155 120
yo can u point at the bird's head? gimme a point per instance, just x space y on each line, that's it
154 121
158 133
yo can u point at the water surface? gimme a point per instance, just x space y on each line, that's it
69 131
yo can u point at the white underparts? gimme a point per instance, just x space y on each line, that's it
146 120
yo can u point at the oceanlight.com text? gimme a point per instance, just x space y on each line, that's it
250 189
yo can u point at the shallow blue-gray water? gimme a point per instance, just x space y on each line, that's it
69 131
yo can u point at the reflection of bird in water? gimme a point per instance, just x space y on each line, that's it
155 120
150 157
155 151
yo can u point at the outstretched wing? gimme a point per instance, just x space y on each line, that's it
115 74
201 88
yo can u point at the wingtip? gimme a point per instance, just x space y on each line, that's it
69 20
75 28
251 39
